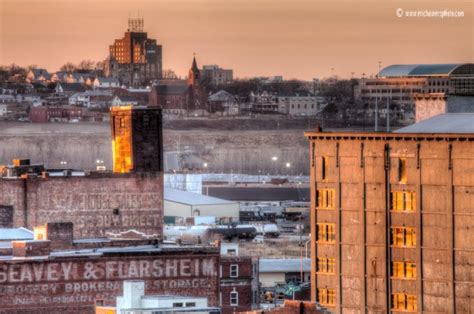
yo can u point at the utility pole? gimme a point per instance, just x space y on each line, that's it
376 114
388 114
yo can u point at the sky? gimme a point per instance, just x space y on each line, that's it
301 39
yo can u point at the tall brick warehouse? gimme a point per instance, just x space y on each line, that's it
391 222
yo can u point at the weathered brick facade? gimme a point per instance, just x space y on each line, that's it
391 222
72 282
96 204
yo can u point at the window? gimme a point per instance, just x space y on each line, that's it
234 270
190 304
234 298
178 304
326 233
403 237
326 265
403 201
402 170
404 302
403 270
122 122
325 198
324 168
327 296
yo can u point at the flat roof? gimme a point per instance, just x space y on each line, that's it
443 123
192 199
283 265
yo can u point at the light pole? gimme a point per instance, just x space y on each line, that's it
274 159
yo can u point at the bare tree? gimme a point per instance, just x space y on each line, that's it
68 67
169 74
86 65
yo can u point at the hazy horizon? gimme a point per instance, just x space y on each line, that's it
294 38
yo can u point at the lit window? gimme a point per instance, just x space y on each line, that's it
326 265
326 233
234 270
403 237
234 298
325 198
403 201
327 296
404 302
403 270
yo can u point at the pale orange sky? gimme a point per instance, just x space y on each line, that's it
294 38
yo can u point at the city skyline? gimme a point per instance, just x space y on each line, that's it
302 39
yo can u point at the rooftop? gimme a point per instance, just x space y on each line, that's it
417 70
190 198
286 265
9 234
444 123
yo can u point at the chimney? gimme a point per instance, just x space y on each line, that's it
59 233
31 248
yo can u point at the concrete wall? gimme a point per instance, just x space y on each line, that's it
95 204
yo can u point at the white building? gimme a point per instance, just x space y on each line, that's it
217 75
80 99
301 103
134 301
106 82
179 203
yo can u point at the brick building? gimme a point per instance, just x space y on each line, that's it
98 203
134 59
181 97
236 291
137 139
41 277
391 219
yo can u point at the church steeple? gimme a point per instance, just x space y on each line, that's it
194 73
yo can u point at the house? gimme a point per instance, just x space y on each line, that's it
69 88
124 100
106 82
224 102
264 102
301 103
80 99
3 110
179 203
38 75
59 76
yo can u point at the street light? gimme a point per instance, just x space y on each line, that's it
288 165
274 158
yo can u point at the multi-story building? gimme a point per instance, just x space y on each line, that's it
134 59
217 76
391 218
301 103
397 84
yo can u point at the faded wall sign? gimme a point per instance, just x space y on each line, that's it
73 283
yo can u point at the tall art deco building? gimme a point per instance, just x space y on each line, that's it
392 218
134 59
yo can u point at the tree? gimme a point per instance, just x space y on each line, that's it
169 74
68 67
86 65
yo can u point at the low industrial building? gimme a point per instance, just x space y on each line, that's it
178 203
276 271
